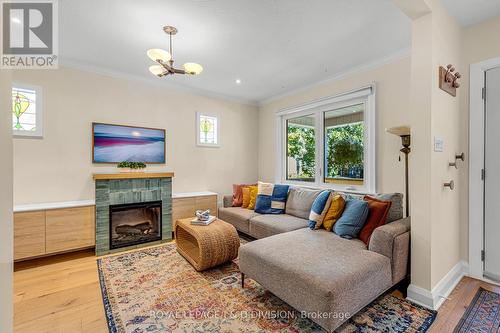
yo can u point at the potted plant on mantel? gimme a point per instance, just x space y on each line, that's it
131 166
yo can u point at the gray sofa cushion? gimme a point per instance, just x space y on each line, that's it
317 272
267 225
396 210
237 216
300 200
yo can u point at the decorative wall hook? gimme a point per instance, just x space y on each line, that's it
448 79
460 156
450 184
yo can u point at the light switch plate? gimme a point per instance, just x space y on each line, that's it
438 144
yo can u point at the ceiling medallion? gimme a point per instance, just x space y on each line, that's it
166 61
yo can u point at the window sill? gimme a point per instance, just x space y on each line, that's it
207 145
346 189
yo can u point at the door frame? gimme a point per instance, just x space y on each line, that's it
476 164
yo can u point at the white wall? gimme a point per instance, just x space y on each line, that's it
392 82
6 315
59 166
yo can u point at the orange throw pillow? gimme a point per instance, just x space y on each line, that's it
245 190
377 215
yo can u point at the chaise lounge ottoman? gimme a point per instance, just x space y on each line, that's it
325 277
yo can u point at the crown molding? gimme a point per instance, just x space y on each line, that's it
403 54
85 67
78 65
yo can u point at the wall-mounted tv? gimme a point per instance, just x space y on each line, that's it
119 143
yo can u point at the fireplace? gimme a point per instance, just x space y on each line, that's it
135 223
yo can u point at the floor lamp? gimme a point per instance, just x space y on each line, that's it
404 133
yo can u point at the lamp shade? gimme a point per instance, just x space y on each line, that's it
399 130
192 68
159 54
156 70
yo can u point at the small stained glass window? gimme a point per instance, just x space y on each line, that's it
26 111
208 130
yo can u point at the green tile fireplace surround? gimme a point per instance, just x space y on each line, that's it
114 189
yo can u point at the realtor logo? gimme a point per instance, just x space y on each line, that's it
29 37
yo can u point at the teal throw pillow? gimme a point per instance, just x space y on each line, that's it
353 218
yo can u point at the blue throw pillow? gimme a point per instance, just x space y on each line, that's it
353 218
318 209
271 198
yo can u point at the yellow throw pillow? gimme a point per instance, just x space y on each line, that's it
334 212
253 197
246 196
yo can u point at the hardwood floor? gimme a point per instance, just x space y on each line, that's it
61 294
452 310
58 294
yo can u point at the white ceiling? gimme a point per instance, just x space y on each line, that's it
468 12
272 46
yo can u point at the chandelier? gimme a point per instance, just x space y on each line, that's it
166 61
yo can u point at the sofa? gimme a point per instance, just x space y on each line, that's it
325 277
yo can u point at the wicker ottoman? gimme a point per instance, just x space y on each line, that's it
206 246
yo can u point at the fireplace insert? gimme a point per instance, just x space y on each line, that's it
135 223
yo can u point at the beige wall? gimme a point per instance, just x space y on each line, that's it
479 43
393 102
420 158
435 210
445 123
59 167
5 204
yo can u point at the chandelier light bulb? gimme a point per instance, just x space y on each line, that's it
156 70
159 54
192 68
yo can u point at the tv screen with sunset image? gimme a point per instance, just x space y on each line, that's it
118 143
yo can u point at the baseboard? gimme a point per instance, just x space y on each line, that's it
434 299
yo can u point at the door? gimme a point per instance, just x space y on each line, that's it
492 179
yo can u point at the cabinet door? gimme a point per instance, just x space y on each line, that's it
182 208
29 234
207 202
71 228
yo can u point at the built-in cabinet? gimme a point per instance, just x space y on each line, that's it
29 234
185 206
71 228
43 232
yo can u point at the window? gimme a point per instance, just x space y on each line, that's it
301 153
344 139
330 142
26 111
207 130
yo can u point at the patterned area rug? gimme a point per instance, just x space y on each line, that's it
157 290
482 314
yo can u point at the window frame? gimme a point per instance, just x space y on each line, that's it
217 132
366 95
38 133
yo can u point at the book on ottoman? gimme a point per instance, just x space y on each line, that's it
195 221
